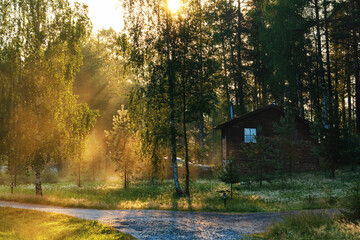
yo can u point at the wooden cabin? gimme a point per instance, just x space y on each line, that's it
244 129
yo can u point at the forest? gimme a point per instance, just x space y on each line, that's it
91 104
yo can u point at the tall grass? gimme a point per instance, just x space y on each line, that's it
311 226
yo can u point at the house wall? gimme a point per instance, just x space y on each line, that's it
233 136
235 132
224 143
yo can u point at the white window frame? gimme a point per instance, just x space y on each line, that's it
249 135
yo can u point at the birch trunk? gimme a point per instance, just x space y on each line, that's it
187 179
171 78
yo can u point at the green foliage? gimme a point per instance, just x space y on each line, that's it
336 146
230 173
104 80
45 39
198 154
149 119
216 52
175 89
281 50
80 122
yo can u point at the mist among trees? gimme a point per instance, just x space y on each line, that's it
135 101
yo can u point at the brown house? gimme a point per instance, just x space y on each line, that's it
243 129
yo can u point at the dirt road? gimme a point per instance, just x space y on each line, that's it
156 224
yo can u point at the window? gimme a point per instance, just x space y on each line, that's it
249 135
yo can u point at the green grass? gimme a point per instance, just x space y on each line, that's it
304 191
311 226
36 225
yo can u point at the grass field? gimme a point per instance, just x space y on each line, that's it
36 225
304 191
312 227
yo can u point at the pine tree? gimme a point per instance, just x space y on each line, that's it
230 174
120 143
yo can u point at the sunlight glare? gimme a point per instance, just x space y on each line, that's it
173 5
104 14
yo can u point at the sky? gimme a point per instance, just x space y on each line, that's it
104 13
108 13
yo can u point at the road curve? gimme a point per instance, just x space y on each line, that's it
157 224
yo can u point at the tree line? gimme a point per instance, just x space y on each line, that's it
191 65
183 71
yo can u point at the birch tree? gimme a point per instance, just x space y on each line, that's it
46 36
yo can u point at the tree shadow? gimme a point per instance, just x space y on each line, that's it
189 203
175 204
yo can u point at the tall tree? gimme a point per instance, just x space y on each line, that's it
355 8
171 79
327 48
140 19
320 61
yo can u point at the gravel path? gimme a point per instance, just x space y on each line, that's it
156 224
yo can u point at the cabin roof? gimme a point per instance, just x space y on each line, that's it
257 111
